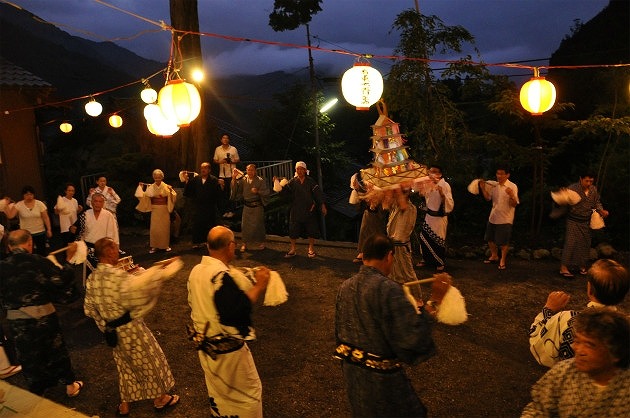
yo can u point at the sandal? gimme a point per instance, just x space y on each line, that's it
583 271
76 392
357 260
311 254
172 401
491 261
566 274
421 264
502 267
243 248
290 254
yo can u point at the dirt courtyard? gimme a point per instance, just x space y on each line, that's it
483 368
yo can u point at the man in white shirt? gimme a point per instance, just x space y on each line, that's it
97 223
226 157
504 197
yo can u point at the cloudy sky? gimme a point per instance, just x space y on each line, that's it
504 30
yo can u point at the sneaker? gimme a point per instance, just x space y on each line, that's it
10 371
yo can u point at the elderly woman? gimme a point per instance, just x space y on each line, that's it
33 215
158 198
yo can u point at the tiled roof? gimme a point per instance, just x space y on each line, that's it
12 75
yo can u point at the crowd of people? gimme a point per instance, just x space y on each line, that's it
378 326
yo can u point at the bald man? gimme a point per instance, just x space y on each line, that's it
221 300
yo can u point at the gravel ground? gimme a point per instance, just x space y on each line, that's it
483 368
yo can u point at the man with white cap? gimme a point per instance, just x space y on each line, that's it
306 199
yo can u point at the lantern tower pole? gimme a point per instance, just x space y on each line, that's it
318 158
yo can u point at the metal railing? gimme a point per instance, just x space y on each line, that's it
270 169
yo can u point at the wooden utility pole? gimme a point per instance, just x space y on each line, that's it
195 147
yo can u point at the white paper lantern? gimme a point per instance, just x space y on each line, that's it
148 95
362 85
93 108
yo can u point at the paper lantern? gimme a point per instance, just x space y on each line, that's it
115 121
151 110
362 85
161 126
93 108
65 127
180 102
148 95
538 95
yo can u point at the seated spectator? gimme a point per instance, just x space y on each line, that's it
552 333
596 383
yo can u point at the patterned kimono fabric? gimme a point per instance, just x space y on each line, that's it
143 371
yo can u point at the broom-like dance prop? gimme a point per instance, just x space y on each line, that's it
452 309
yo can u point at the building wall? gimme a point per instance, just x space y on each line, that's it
20 149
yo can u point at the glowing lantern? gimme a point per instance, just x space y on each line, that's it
151 110
538 95
180 102
362 85
160 125
65 127
93 108
148 95
115 121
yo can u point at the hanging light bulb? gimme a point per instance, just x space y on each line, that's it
148 95
65 127
362 85
180 102
115 121
93 108
538 95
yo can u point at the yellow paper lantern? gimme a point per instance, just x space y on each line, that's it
115 121
93 108
180 102
65 127
362 85
538 95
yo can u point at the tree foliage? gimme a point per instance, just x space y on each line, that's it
291 14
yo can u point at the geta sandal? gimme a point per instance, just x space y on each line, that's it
76 392
172 401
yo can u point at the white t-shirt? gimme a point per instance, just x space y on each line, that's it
225 170
31 218
68 209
